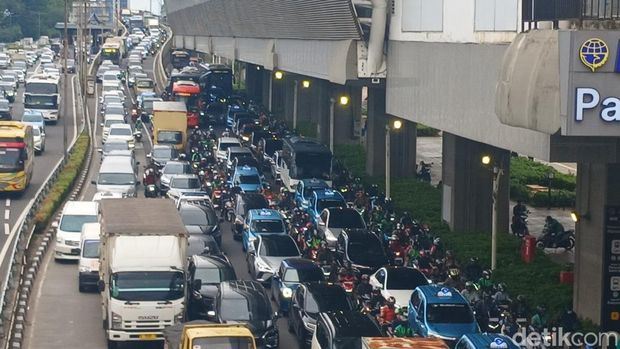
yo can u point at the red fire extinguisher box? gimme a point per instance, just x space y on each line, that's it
528 249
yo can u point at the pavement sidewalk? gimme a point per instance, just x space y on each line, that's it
429 150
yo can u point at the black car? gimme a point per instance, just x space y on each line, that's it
247 302
362 249
246 202
339 330
205 275
199 219
310 299
212 248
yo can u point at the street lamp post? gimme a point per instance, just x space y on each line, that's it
397 124
497 174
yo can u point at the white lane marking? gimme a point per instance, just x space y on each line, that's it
8 202
7 214
7 231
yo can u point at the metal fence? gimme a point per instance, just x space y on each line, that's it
534 11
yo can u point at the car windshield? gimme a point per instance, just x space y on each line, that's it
110 122
329 203
185 183
447 313
214 275
265 226
164 153
144 83
365 251
109 146
148 286
222 343
313 165
225 146
90 249
176 168
120 131
284 247
346 219
303 275
249 179
114 109
238 309
328 299
73 223
116 179
195 216
405 279
32 118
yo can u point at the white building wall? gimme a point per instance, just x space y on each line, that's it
459 21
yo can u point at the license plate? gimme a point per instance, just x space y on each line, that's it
148 336
75 251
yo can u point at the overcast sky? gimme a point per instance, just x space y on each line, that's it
144 5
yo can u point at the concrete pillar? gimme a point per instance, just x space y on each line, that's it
254 81
279 88
304 100
288 95
375 132
468 185
321 110
598 195
266 78
403 146
345 114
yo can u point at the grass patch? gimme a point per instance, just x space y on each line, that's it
538 281
64 183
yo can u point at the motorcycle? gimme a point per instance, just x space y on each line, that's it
519 225
138 136
151 191
565 239
424 174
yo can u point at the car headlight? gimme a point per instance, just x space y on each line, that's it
85 269
117 321
246 138
178 318
287 292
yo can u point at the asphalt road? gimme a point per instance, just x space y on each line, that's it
61 317
12 208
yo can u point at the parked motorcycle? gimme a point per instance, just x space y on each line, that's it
565 239
519 225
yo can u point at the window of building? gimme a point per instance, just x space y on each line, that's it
422 15
496 15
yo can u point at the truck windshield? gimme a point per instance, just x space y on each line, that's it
90 249
313 165
169 137
41 102
147 285
222 343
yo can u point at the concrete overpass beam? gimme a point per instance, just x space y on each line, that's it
375 132
468 185
598 191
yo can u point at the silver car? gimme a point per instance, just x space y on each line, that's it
267 252
173 168
39 139
184 183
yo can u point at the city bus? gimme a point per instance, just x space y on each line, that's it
179 59
188 92
217 76
16 156
43 94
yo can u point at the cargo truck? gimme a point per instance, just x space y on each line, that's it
142 268
170 124
202 334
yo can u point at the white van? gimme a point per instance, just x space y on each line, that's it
117 174
89 256
108 121
74 215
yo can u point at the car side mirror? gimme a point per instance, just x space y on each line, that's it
148 156
321 223
55 224
197 285
101 285
101 124
93 182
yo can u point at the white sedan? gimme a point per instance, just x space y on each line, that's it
398 282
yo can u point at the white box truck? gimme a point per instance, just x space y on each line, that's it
142 268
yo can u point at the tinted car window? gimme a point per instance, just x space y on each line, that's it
329 299
346 219
449 313
303 275
405 279
279 247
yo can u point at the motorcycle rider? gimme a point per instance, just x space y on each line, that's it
509 325
473 269
149 177
540 319
387 314
424 261
485 283
519 307
324 255
364 290
568 319
552 226
519 226
454 279
519 209
501 296
470 293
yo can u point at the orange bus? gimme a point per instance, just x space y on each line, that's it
188 92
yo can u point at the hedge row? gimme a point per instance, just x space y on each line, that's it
524 171
423 201
64 183
426 131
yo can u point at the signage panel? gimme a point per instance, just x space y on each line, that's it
610 307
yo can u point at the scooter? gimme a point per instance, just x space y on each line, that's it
519 225
151 191
424 174
565 239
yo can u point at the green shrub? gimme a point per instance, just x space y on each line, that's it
559 198
519 192
426 131
64 183
527 171
423 201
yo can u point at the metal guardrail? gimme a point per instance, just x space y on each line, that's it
23 229
534 11
159 66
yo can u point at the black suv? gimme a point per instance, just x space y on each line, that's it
362 249
310 299
339 330
205 275
247 302
246 202
200 219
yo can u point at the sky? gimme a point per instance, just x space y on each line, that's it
144 5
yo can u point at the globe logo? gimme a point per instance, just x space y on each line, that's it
594 53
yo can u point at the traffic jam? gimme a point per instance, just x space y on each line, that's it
214 225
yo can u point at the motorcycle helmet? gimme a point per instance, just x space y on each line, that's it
469 285
436 241
501 287
394 237
454 273
391 300
473 260
486 274
399 226
365 277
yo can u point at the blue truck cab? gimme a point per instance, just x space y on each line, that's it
485 341
305 189
263 221
248 179
293 272
322 199
441 312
